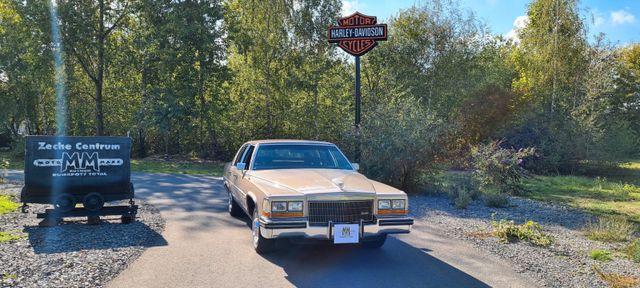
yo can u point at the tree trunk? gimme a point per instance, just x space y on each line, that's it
142 149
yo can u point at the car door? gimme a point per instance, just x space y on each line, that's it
232 173
239 176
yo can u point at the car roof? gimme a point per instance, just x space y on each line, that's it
287 141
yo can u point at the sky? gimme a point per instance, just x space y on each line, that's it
618 19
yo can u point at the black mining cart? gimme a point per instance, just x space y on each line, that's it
65 171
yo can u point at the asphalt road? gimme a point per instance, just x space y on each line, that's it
208 248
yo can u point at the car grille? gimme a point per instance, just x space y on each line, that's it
321 212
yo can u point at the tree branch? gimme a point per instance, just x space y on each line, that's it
84 65
115 24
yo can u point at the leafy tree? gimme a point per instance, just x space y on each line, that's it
86 27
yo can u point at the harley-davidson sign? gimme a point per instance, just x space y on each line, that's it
357 34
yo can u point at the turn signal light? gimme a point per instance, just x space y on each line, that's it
282 214
392 212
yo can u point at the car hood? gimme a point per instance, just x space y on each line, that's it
310 181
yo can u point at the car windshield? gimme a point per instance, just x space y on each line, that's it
279 156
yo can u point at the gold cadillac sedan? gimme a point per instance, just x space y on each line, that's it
308 189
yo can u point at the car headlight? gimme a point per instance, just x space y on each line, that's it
384 204
397 204
295 206
278 206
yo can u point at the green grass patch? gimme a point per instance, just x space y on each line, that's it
600 196
10 236
600 255
6 205
177 166
8 276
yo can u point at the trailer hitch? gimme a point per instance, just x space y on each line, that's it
24 208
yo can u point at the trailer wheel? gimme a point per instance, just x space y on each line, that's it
65 202
93 201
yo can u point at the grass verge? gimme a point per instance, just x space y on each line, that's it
177 166
596 195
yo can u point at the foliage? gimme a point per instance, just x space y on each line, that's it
600 255
461 195
530 231
616 280
395 148
6 205
498 170
609 229
492 198
201 77
633 250
4 165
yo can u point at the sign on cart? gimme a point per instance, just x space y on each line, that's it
346 233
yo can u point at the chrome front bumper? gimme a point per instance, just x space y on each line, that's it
299 228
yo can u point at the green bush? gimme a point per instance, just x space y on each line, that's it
497 171
496 200
600 255
508 232
609 229
461 196
400 143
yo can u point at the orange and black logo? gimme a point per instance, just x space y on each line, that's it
357 33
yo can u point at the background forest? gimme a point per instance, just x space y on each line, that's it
199 78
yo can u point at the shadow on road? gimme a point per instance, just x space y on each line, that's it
396 264
75 236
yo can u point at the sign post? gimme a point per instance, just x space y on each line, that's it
357 34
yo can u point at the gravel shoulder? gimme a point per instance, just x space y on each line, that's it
72 254
565 263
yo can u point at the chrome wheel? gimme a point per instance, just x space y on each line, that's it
229 202
260 244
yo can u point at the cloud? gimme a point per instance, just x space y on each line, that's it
349 7
622 17
518 25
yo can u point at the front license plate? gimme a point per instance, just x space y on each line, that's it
346 233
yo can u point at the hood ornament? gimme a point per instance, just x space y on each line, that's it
338 182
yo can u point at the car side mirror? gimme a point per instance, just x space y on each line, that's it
355 166
241 166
